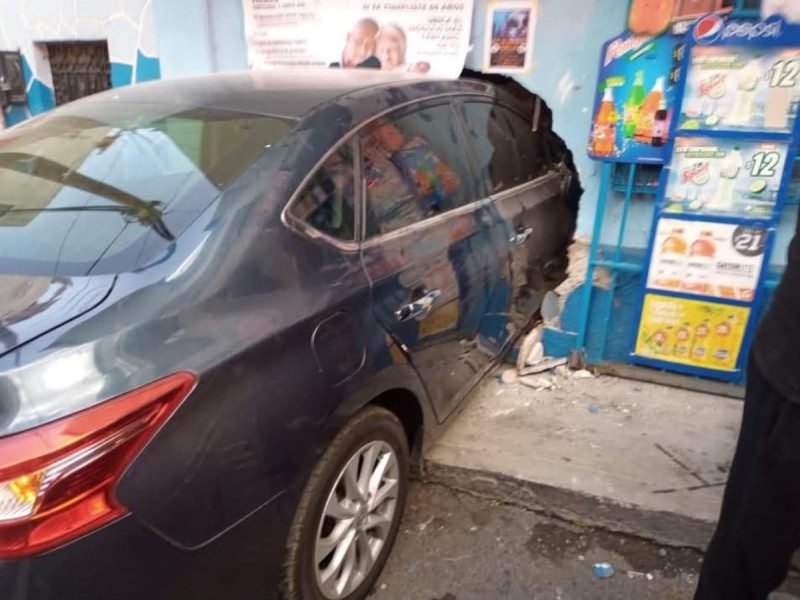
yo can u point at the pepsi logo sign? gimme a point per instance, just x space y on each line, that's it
707 29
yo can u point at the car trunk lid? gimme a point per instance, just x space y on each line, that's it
32 305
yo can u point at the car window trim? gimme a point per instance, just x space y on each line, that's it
302 227
465 209
523 187
458 212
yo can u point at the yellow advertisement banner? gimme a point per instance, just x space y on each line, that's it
707 335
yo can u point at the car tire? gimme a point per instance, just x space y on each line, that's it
347 519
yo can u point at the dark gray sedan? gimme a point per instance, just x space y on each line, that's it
233 309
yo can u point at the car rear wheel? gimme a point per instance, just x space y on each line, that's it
348 517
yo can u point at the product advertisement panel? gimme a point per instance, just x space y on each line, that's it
414 36
635 99
725 177
718 260
721 194
705 335
736 88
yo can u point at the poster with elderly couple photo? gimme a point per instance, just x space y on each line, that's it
409 36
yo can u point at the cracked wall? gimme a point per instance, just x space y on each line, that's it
127 26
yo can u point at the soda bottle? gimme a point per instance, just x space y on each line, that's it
660 124
728 174
671 260
723 336
661 341
741 112
604 131
700 264
682 341
633 106
700 345
647 116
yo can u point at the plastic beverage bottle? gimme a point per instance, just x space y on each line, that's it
723 344
730 168
604 132
633 105
682 338
700 345
660 124
741 112
672 260
700 264
661 341
647 117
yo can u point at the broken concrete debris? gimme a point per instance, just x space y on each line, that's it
529 349
538 383
545 365
508 376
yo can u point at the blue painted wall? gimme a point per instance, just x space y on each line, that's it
200 36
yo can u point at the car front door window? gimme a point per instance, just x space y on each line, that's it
414 168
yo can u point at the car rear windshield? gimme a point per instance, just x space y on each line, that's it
104 187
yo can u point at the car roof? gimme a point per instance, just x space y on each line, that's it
291 94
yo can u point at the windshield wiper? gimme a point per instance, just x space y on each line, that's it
146 212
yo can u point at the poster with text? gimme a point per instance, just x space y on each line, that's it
415 36
701 334
736 88
719 260
508 47
635 99
725 177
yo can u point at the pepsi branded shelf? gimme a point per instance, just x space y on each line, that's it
696 316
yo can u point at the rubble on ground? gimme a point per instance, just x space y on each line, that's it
535 370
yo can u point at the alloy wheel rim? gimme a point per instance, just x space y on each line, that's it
356 520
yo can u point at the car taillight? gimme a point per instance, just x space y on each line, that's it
57 481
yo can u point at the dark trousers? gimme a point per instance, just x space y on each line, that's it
759 525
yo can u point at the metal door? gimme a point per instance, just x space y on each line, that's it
79 69
433 276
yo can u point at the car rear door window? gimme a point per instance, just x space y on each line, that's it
508 152
327 202
415 167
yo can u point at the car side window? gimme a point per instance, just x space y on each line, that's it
415 167
508 152
327 203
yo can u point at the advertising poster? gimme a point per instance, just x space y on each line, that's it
414 36
719 260
706 335
635 99
736 88
508 47
652 17
725 177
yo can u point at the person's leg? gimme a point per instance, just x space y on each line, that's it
771 520
725 571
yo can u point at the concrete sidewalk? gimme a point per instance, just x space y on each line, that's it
628 456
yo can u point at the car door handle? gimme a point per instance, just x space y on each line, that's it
521 236
417 308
